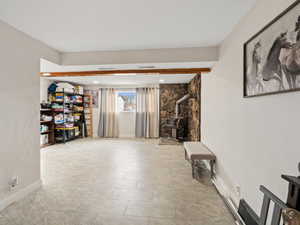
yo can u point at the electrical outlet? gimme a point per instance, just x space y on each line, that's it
13 183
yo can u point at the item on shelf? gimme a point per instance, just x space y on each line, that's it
76 99
59 118
67 99
64 134
69 125
46 118
79 90
52 88
78 108
77 116
45 105
56 97
69 118
67 110
65 87
59 97
60 135
65 126
43 128
57 106
77 131
51 98
60 108
44 139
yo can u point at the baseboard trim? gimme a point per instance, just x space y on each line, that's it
221 187
18 195
223 191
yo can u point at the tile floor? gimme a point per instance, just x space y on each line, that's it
118 182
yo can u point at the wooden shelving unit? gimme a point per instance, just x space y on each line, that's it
47 135
88 112
69 108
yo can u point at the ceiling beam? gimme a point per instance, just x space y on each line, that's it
132 71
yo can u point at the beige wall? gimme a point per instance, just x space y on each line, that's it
126 124
256 139
44 84
19 115
178 55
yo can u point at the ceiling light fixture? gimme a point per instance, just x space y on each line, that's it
161 81
46 74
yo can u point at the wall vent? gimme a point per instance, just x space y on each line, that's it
106 68
146 67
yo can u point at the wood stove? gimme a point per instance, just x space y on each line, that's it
177 124
178 128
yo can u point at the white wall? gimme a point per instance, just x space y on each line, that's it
44 84
126 124
255 139
19 118
47 66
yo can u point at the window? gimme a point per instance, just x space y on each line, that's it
126 101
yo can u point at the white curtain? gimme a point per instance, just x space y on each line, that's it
108 118
147 112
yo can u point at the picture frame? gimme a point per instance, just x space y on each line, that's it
272 56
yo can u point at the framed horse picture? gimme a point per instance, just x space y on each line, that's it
272 56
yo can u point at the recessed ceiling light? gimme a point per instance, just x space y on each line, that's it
96 82
161 81
46 74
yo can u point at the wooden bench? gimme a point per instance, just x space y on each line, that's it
197 151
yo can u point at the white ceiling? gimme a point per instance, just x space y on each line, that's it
129 79
92 25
